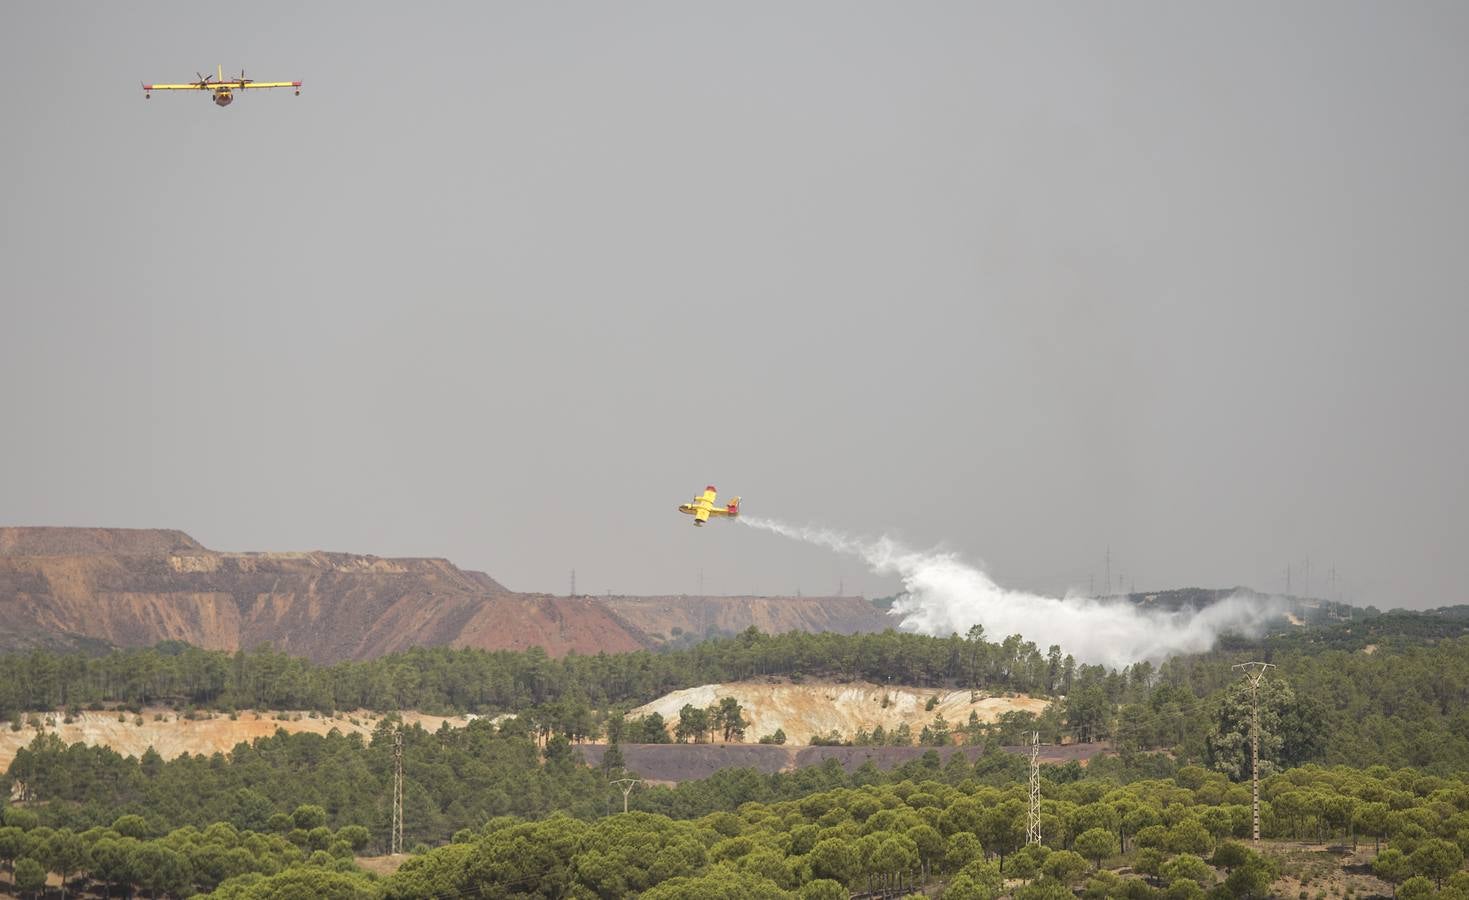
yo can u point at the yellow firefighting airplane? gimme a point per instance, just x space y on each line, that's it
222 88
702 507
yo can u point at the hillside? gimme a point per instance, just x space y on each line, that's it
1296 611
675 618
64 587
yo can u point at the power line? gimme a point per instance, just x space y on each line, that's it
1255 672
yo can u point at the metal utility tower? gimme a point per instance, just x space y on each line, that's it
397 839
627 784
1255 672
1033 817
573 584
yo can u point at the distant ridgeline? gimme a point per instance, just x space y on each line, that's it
1308 610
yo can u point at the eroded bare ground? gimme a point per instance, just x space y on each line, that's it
65 587
173 736
809 709
800 710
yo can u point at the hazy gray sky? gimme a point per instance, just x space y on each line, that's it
509 282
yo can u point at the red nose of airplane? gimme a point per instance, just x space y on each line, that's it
223 99
708 487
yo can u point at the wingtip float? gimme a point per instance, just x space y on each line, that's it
704 506
221 89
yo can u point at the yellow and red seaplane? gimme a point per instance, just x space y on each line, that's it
223 89
703 506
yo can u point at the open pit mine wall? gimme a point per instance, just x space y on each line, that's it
64 587
69 588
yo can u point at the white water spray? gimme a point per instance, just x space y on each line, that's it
944 595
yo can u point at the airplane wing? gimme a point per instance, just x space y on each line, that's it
703 506
216 85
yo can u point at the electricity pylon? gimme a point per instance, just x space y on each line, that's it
1033 818
1255 672
397 838
627 784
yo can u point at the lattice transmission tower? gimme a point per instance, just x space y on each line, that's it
397 838
1255 672
1033 815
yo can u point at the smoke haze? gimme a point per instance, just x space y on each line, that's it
944 595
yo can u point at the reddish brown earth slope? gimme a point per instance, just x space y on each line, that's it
134 587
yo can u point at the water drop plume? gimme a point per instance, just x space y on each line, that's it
945 595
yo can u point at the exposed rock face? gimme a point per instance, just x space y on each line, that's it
699 616
68 588
63 587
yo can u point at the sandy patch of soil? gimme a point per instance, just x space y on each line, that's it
175 736
804 710
383 865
